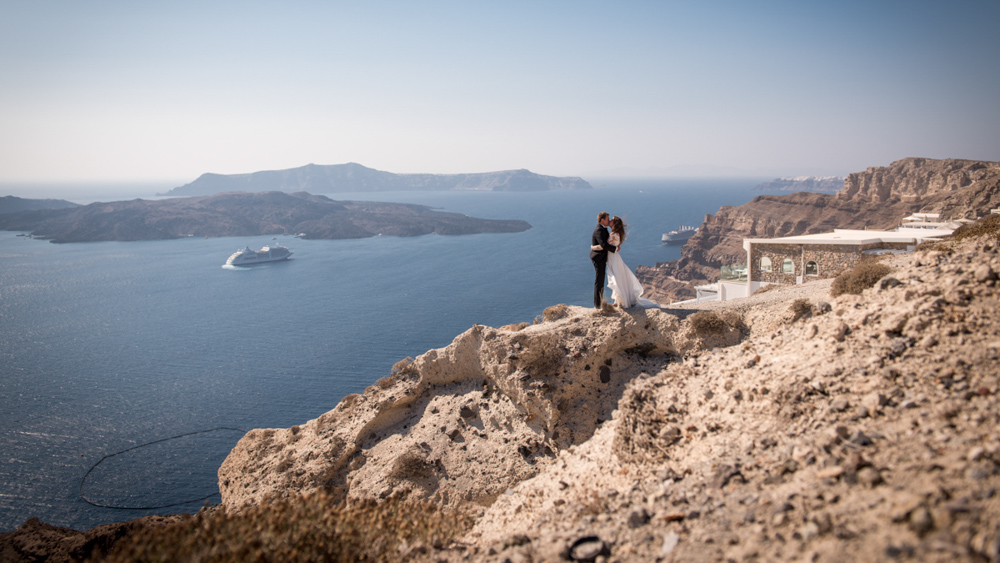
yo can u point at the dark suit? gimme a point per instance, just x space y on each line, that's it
600 260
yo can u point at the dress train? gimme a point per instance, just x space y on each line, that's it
626 291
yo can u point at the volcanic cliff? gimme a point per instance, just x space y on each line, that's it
877 198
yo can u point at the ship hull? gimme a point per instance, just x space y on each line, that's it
677 237
251 262
247 257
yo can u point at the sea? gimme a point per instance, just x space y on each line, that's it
128 370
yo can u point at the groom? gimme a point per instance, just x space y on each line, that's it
600 257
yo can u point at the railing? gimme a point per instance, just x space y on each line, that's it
735 272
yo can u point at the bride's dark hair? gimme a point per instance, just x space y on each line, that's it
618 226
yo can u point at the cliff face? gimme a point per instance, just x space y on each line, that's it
878 198
914 179
854 427
468 421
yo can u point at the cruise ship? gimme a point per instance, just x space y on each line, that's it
247 257
680 235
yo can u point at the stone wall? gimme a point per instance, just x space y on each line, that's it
829 259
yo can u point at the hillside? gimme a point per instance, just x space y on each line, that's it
13 204
353 177
878 198
247 214
791 425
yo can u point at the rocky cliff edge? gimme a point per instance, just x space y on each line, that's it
861 427
466 422
788 426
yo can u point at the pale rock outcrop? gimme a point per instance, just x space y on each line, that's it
864 431
862 427
465 422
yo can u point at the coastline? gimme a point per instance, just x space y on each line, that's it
795 438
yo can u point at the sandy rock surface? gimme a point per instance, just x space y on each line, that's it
865 433
466 422
858 428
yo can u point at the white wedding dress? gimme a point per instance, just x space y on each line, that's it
626 291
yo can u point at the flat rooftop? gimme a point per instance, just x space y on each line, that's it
852 236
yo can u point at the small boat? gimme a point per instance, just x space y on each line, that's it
247 256
680 235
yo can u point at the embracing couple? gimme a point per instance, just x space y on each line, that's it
626 291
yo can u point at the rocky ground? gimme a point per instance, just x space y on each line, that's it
799 426
864 431
788 426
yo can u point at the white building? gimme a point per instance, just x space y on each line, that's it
799 259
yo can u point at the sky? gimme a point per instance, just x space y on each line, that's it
126 91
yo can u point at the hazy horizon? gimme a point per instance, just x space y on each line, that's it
119 92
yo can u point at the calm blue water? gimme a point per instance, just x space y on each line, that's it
106 346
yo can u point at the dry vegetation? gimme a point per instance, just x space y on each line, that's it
706 323
800 308
988 226
309 528
859 278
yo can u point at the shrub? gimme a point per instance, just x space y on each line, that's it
386 382
555 312
800 308
988 226
859 278
733 320
404 369
706 322
349 400
308 528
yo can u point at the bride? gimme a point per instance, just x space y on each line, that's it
626 291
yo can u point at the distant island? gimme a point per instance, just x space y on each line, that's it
246 214
820 184
353 177
12 204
